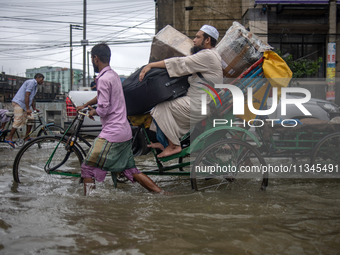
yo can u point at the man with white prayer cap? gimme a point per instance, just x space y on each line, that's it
172 119
210 30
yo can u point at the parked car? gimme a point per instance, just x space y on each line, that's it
320 109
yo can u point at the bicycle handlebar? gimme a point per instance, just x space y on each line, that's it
83 111
37 113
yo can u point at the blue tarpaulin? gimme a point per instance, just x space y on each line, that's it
293 2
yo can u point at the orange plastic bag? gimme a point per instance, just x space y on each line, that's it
276 70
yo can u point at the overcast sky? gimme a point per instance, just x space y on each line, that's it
37 33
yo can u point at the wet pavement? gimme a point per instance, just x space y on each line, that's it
293 216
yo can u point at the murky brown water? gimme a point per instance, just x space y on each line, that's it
291 217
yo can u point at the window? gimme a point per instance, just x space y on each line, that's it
291 1
54 116
309 46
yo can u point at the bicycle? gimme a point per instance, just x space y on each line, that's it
45 128
53 154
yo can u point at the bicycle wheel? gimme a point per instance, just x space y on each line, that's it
51 130
29 164
327 150
218 164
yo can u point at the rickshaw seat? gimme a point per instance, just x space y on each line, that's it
9 114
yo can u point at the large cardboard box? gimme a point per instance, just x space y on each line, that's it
168 43
239 49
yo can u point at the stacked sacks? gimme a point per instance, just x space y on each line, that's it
239 50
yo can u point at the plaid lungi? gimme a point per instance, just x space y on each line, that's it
113 157
21 117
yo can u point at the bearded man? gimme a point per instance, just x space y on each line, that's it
174 118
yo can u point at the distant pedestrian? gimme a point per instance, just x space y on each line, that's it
22 103
93 84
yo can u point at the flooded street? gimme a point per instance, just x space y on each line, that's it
294 216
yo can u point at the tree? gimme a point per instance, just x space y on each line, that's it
301 67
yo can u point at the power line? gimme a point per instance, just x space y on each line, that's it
63 22
39 30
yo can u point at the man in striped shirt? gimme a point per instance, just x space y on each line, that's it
22 103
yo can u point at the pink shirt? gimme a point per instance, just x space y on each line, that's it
111 107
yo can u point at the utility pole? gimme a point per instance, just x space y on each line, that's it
77 27
71 76
84 43
331 52
88 69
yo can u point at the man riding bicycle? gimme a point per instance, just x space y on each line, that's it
22 102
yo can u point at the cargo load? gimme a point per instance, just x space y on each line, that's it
168 43
239 49
156 87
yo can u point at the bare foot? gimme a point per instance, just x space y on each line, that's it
170 150
156 146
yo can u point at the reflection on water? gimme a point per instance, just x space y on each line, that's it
291 217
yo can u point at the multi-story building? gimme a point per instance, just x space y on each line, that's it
303 28
57 74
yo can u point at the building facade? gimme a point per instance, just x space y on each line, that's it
57 74
303 28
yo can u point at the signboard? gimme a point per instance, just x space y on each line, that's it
330 95
331 53
292 2
330 75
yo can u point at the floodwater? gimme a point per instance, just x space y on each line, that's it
293 216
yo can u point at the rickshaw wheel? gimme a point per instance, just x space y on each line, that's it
327 151
218 164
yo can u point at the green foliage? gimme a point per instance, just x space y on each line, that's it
301 67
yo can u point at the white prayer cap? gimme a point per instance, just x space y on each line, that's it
210 30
